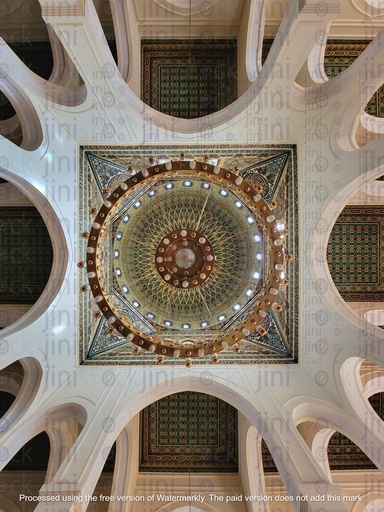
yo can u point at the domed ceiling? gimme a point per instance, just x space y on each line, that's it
184 256
197 276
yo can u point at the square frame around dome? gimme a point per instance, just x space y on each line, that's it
274 167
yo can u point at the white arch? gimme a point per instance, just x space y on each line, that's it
60 253
126 465
351 381
255 471
290 462
316 57
329 419
371 123
351 112
318 243
26 394
375 316
186 508
53 419
10 381
254 41
27 117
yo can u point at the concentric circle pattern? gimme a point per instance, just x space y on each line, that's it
197 258
185 258
168 208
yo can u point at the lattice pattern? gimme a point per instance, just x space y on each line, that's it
188 79
344 454
356 253
189 432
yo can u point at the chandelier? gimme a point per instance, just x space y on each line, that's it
185 259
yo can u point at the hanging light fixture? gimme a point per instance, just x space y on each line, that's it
187 264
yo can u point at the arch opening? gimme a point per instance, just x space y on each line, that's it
33 458
27 254
21 380
105 14
33 234
353 265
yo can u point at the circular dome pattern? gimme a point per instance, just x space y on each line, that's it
187 239
201 211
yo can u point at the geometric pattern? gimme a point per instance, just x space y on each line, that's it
25 255
224 226
188 432
272 166
355 253
344 454
188 79
361 241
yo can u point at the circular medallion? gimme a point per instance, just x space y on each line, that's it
184 258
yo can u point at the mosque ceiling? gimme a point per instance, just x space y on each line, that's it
134 281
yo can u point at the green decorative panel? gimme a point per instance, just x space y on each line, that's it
356 253
184 412
188 432
352 265
188 79
25 256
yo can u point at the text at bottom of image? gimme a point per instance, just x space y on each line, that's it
197 498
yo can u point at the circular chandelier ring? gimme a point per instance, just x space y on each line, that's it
253 200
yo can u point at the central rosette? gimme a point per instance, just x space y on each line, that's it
184 258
